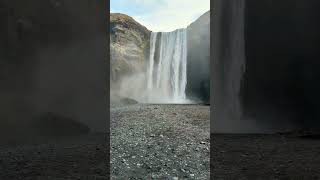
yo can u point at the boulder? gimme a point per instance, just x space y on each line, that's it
52 124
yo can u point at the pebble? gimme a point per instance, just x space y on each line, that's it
161 148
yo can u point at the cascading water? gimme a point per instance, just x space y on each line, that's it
153 39
167 77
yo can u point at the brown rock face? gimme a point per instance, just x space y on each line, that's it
129 45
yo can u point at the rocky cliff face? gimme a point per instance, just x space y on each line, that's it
129 45
198 69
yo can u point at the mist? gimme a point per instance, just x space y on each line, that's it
53 56
265 66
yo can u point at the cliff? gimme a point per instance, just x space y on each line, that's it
198 67
129 43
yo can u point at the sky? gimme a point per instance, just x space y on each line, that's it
161 15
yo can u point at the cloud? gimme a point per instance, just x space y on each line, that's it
162 15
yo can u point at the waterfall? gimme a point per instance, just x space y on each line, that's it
228 52
153 39
167 79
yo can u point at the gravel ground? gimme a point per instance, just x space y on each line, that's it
160 142
80 157
265 157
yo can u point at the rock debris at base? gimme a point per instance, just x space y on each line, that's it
160 141
79 157
265 157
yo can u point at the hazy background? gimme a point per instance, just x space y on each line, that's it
53 59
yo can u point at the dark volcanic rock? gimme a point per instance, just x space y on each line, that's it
264 157
160 142
198 75
50 124
129 101
74 157
118 100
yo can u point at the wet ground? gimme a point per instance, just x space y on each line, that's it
160 142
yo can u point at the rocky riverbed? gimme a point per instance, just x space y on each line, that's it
160 142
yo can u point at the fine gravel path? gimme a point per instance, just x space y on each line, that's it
160 142
265 157
79 157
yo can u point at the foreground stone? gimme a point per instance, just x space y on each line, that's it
160 141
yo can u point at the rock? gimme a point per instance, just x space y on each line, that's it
51 124
198 66
129 43
302 133
128 101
